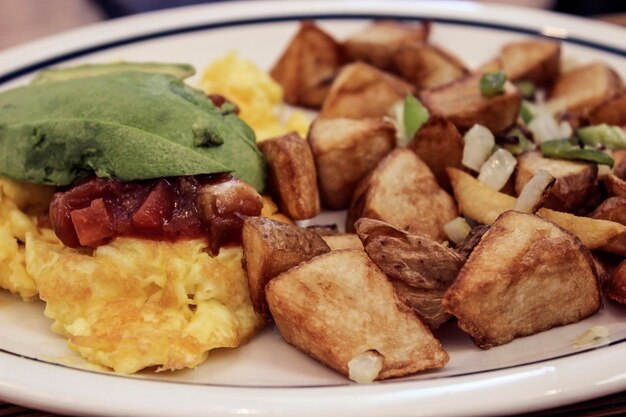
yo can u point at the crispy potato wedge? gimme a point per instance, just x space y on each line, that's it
616 287
403 192
378 43
483 204
271 247
525 276
574 180
343 241
361 90
584 88
611 112
613 209
292 175
345 150
427 66
420 269
615 186
307 67
339 305
440 145
462 103
533 60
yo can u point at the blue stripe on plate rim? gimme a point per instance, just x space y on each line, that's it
276 19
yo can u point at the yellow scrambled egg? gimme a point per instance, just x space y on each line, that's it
133 303
258 96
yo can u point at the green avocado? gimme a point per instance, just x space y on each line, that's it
123 125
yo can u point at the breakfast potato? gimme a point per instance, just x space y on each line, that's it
440 145
483 204
462 103
427 66
339 305
378 43
611 112
270 248
616 288
403 192
292 175
420 269
307 67
614 185
345 150
533 60
343 241
361 90
525 276
613 209
574 180
584 88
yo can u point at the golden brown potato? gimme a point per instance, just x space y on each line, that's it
525 276
404 193
378 43
427 66
574 180
420 269
361 90
611 112
533 60
307 67
483 204
343 241
271 247
339 305
440 145
584 88
619 169
292 176
345 150
616 288
615 186
613 209
462 103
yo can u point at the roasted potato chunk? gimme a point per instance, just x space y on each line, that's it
483 204
611 112
361 90
462 103
340 305
292 175
271 247
420 269
403 192
440 145
345 150
378 43
343 241
615 186
525 276
528 60
574 180
616 288
307 67
613 209
427 66
584 88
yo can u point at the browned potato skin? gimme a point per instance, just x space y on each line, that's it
420 269
403 192
575 181
427 66
616 288
440 145
611 112
343 241
339 305
378 43
270 248
292 175
361 90
615 186
462 103
613 209
308 65
525 276
345 150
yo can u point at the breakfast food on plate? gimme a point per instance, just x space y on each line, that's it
130 202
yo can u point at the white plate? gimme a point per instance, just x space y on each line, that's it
267 376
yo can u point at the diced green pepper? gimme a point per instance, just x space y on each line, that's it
569 149
612 137
492 83
527 88
523 143
414 116
527 112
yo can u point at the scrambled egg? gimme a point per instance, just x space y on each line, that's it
258 96
133 303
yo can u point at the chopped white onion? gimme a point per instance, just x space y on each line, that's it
396 113
544 128
365 367
457 230
595 335
531 196
479 143
496 171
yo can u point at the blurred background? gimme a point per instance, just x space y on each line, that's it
25 20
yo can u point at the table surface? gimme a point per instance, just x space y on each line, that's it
611 405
